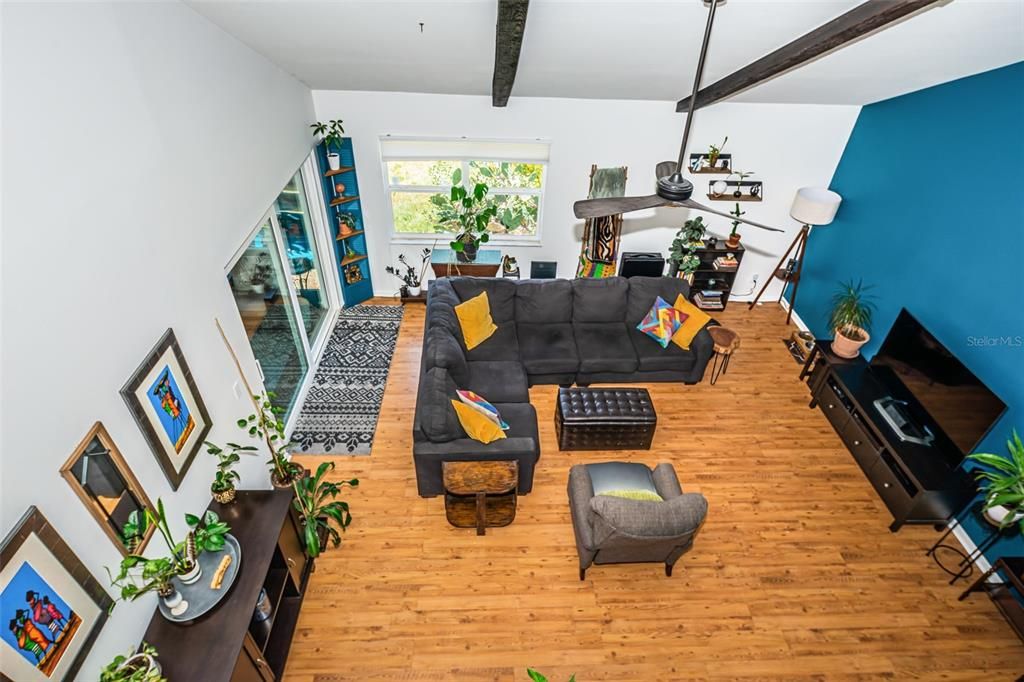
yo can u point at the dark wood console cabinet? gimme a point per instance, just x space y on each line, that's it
919 484
227 644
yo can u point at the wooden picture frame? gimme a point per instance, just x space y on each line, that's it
58 617
165 402
105 515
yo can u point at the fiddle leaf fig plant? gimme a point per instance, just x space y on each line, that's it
1001 480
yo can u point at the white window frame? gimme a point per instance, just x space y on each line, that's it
464 161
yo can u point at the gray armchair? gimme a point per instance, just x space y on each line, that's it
611 530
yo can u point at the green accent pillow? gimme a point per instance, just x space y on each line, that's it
643 495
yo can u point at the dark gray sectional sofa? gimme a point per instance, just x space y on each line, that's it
549 332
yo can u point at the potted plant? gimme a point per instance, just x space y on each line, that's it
852 310
265 424
207 532
714 151
223 486
682 256
734 236
311 501
743 175
1002 484
469 213
135 667
262 273
331 134
133 530
411 280
346 224
537 677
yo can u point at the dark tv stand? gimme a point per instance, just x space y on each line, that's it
918 478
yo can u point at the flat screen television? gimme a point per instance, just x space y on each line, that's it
955 399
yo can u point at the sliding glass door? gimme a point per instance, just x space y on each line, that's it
283 292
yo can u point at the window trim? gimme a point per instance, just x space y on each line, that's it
496 240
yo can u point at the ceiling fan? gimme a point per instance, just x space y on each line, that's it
673 189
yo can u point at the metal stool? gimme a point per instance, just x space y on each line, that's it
726 343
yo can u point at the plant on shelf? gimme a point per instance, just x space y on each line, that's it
223 486
331 134
316 510
469 213
714 151
346 224
1002 484
207 532
852 309
264 423
743 175
138 666
734 235
682 253
409 277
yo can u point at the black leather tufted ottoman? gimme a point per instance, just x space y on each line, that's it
605 419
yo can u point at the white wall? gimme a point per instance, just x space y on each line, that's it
790 146
141 144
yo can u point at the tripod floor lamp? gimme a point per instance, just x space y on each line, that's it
812 206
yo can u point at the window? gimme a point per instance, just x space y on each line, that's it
420 175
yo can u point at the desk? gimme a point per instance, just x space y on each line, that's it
486 264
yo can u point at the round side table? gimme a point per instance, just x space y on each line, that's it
726 343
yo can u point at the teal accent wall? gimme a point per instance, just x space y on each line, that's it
933 217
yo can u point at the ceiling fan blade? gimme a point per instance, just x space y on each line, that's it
690 203
598 208
664 169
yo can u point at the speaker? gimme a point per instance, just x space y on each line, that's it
636 263
543 269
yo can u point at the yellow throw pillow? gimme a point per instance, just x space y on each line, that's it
477 426
475 319
695 321
642 495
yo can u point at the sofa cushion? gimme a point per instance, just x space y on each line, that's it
652 357
547 348
441 290
441 314
443 350
661 322
434 408
609 476
599 300
544 301
521 419
476 425
604 347
501 294
502 345
643 291
696 319
499 381
678 516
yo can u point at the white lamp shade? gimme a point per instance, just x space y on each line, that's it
815 205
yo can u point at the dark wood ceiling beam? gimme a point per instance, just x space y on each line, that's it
507 44
861 21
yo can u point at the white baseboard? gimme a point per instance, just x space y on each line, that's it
795 317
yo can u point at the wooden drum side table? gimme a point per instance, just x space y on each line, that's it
726 342
480 495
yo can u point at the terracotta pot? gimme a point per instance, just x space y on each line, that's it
845 347
733 241
225 496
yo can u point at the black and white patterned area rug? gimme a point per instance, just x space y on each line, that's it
339 415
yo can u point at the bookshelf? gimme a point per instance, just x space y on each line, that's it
707 278
350 248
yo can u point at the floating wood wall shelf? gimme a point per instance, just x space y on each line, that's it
343 169
750 190
699 164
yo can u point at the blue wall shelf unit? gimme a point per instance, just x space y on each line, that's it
345 218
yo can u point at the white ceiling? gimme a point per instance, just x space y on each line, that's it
631 49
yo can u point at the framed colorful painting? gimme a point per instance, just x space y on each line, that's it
51 607
165 402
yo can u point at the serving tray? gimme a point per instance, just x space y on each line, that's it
199 596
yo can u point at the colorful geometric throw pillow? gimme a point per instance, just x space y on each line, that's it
483 407
661 322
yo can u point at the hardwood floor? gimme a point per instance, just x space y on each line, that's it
794 576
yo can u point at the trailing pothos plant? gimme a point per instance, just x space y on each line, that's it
223 485
134 667
139 575
1002 481
208 532
684 246
315 500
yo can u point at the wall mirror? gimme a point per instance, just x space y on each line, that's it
102 480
